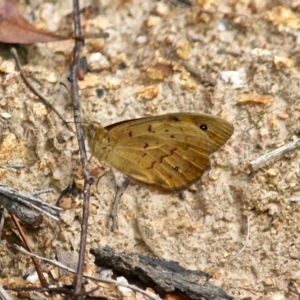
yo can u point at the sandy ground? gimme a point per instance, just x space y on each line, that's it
141 67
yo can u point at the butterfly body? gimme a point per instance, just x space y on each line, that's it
169 151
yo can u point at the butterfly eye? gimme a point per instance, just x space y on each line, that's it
203 127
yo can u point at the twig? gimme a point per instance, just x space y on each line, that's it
10 166
22 205
203 76
114 212
273 156
3 294
40 192
60 265
33 90
246 241
3 215
80 139
38 268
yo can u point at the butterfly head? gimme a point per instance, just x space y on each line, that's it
97 138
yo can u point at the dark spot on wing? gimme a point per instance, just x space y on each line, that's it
162 157
167 155
172 151
176 168
144 154
172 136
130 133
152 165
203 127
146 145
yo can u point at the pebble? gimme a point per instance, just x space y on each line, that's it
5 115
97 62
7 67
236 78
183 49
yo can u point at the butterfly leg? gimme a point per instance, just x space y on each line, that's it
114 212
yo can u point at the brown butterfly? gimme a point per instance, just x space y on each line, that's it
169 152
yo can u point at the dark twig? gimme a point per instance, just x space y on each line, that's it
102 279
203 76
114 212
165 277
26 207
33 90
39 271
80 138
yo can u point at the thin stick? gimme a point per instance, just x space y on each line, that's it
14 202
273 156
40 192
203 76
246 241
80 139
3 294
114 212
3 215
10 166
33 90
60 265
38 268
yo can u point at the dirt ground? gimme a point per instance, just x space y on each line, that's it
149 65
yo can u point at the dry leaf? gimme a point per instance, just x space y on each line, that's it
15 29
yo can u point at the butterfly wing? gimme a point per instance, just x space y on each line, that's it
217 129
169 151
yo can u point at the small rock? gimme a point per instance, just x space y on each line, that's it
296 255
162 9
283 62
39 110
142 39
57 174
273 209
236 78
5 115
98 62
214 175
147 92
272 172
153 21
183 49
7 67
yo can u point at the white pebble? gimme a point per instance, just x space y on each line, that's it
5 115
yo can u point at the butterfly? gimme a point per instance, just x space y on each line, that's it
168 152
